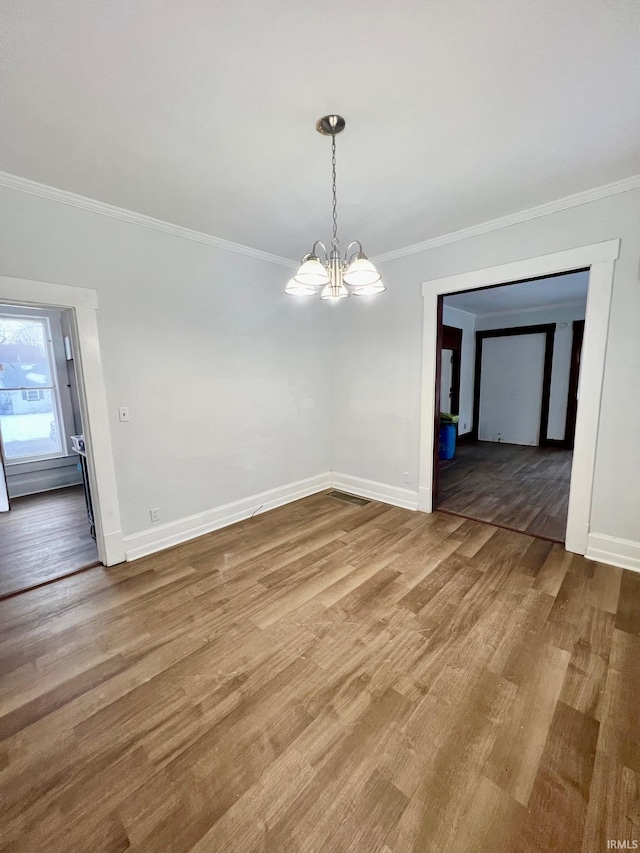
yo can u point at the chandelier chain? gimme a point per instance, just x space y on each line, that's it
334 241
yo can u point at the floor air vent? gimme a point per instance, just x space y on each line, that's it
350 499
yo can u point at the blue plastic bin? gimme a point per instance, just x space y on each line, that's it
447 441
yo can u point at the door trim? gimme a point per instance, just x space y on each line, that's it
600 259
574 375
546 329
449 337
452 339
93 400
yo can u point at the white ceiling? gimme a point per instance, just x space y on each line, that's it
568 289
203 113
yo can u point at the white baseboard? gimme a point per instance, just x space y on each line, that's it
623 553
158 538
164 536
405 498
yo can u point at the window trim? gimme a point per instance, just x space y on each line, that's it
58 409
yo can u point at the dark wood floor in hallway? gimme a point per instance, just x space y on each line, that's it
44 537
523 488
326 678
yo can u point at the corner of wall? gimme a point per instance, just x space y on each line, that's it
166 535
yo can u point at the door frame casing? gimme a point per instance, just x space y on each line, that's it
83 303
574 375
452 339
600 259
445 333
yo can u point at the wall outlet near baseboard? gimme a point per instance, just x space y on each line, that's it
407 477
155 514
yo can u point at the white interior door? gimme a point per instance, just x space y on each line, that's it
511 389
446 380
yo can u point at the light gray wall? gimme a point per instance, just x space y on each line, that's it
378 386
224 375
30 478
176 315
562 343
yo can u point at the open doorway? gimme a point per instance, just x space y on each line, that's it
46 519
512 463
512 466
98 452
599 259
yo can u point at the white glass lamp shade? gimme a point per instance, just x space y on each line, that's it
361 272
312 273
334 292
294 288
370 289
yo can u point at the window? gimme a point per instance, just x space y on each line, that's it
32 396
30 411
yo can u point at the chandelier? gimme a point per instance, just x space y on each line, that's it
335 277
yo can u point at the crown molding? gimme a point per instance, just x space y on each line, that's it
632 183
15 182
74 200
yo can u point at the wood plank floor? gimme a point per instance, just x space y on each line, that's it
44 537
524 488
326 677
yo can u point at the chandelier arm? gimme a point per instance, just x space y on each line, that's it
357 243
324 249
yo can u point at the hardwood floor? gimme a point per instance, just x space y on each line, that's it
326 677
523 488
44 537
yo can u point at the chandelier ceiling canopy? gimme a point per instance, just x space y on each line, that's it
334 276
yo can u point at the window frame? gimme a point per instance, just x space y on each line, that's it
57 413
28 391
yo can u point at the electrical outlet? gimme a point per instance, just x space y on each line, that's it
155 514
407 477
464 427
123 414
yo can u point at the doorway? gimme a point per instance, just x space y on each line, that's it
506 473
79 306
599 260
45 518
